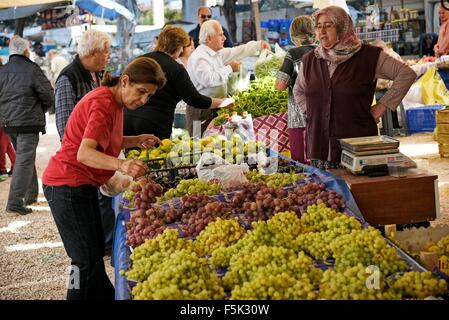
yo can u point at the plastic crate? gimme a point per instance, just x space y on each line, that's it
422 119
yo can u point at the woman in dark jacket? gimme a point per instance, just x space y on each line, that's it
157 115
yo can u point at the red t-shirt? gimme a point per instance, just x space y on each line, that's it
96 116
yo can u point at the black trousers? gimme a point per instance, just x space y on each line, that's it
107 219
77 215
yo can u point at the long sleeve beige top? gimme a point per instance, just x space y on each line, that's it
387 68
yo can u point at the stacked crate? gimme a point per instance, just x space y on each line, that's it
442 132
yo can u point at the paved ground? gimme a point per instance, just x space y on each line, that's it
33 262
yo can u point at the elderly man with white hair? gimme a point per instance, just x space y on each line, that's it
74 82
211 64
25 96
82 75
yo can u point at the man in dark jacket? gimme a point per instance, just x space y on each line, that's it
204 14
25 96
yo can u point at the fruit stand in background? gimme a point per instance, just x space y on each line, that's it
291 235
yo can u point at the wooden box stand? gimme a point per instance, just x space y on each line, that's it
442 122
389 200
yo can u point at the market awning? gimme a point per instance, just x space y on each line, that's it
21 12
105 9
22 3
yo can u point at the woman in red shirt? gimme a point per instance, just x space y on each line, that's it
87 159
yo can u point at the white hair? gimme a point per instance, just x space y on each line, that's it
18 45
91 41
208 30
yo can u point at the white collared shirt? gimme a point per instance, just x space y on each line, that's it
209 71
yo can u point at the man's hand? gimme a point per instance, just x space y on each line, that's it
264 45
235 65
145 141
133 168
377 111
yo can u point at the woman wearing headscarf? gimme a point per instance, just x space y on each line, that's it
302 35
336 84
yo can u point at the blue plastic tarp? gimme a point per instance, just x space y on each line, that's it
120 258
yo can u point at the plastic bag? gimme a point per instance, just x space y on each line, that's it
413 98
226 174
238 81
241 126
118 183
434 90
269 63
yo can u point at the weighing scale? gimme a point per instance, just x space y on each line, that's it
364 153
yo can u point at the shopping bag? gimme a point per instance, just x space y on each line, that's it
269 63
213 168
434 90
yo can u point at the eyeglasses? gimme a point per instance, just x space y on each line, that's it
204 16
324 26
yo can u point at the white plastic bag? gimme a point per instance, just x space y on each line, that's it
413 98
221 171
269 63
241 126
118 183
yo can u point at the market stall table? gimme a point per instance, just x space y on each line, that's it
390 200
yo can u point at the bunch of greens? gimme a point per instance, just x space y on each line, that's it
260 99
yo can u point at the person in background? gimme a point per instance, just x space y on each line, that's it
157 115
205 14
39 49
336 83
25 96
74 82
210 66
86 160
186 53
427 43
303 36
442 46
183 59
82 75
57 64
6 148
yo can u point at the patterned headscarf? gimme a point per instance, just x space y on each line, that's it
348 42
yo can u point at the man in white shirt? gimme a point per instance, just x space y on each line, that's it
210 65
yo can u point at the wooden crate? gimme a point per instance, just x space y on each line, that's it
442 132
442 129
443 149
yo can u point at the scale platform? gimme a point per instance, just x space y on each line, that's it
372 151
355 163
